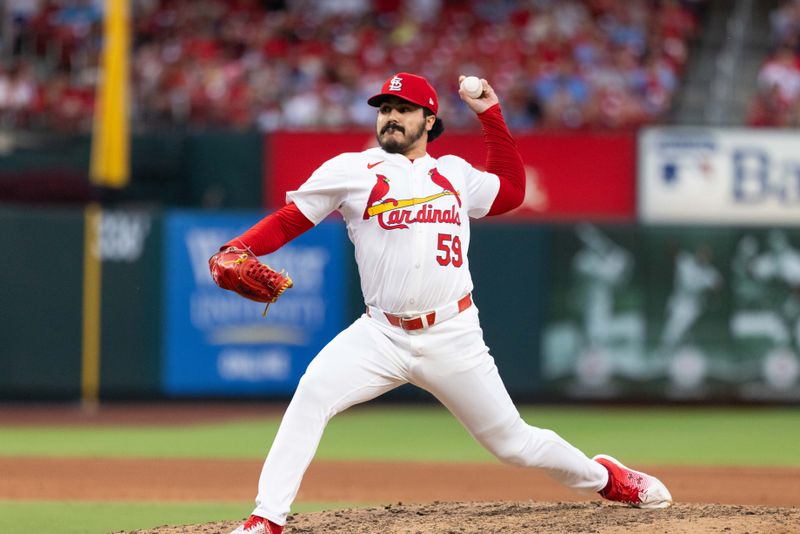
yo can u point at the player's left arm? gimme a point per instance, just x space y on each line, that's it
273 231
502 155
236 267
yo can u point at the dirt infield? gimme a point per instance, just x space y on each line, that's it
369 482
516 518
425 497
479 497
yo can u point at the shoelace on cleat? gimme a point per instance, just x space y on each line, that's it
627 490
255 521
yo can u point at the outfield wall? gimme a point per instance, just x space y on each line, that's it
574 311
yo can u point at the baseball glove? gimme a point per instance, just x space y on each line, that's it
240 271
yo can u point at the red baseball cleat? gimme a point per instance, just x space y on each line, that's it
632 487
258 525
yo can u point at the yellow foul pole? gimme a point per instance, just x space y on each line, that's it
110 168
92 276
110 144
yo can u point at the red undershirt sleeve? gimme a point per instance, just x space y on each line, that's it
273 231
504 160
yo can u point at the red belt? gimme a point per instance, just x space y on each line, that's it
426 319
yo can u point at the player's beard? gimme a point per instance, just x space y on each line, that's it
395 146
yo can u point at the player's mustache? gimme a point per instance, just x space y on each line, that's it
392 127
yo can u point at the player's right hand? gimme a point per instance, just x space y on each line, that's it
484 102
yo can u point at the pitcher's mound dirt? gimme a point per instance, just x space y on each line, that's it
516 517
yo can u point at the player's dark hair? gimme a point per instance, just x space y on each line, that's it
438 126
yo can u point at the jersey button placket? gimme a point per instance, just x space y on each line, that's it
418 248
421 239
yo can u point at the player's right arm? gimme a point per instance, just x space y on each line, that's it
502 155
504 160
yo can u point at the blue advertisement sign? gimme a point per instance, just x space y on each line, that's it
216 342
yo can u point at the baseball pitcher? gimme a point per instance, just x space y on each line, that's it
408 216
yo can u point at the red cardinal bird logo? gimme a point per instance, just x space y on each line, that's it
444 183
379 191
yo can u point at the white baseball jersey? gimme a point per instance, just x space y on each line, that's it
408 222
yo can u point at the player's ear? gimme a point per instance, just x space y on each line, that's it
429 122
436 130
433 125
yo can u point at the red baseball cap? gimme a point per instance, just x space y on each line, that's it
411 87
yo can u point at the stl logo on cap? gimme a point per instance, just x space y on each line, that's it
396 84
410 87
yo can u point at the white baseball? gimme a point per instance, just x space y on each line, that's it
472 86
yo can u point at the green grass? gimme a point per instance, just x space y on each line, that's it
721 436
742 437
755 436
102 517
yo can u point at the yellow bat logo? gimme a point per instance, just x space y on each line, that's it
390 205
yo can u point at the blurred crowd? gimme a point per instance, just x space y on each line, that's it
300 64
777 101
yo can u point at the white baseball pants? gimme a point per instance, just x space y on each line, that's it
451 361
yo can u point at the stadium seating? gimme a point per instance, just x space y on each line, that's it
777 101
302 64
